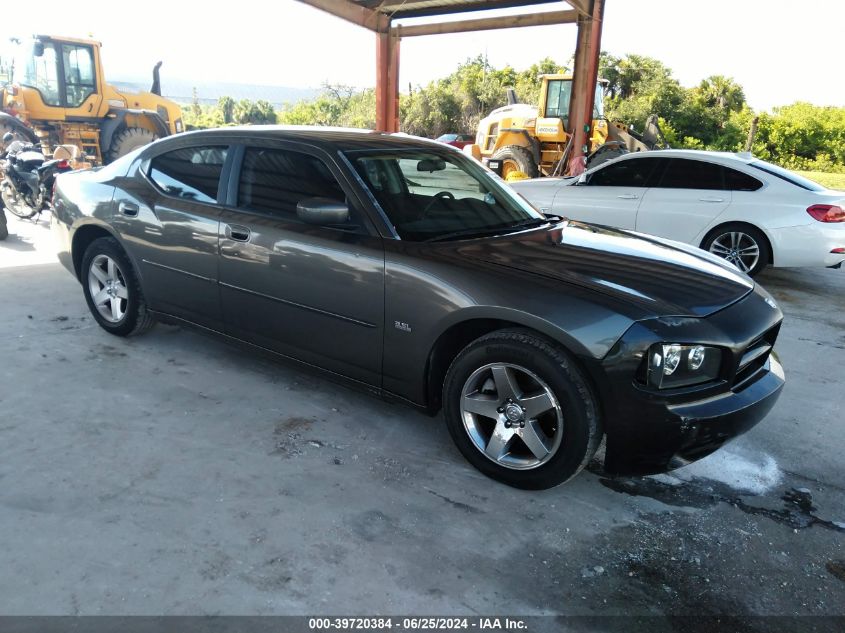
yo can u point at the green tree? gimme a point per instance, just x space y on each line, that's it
226 106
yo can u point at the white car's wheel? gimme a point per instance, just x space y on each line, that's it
741 245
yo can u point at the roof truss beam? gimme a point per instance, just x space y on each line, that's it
486 24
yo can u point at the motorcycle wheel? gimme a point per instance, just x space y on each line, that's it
4 229
16 206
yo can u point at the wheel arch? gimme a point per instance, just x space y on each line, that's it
82 238
723 223
467 328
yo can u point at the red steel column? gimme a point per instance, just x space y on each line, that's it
387 80
585 75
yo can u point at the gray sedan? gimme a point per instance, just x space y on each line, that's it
403 267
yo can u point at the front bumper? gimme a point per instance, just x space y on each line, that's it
670 436
649 431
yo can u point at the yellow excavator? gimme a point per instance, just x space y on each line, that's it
55 94
521 140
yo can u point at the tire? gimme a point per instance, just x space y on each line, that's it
125 312
4 228
129 139
729 240
604 154
515 158
553 401
21 210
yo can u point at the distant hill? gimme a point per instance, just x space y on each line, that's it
208 93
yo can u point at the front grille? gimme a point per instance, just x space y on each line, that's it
755 356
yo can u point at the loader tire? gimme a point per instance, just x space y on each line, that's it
604 154
515 158
129 139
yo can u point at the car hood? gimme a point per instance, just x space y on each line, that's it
663 277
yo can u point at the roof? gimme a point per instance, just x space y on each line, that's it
378 15
399 9
325 137
745 157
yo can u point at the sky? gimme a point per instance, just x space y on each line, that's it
779 51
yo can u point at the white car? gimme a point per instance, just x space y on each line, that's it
748 211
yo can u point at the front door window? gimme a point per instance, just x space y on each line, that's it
79 74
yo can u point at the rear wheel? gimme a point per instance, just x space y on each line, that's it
520 410
516 159
129 139
741 245
112 290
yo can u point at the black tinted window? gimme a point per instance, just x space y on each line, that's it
682 173
737 181
275 180
192 173
626 173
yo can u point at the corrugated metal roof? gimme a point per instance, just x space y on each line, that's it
398 9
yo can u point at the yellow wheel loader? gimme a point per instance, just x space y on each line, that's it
519 138
56 94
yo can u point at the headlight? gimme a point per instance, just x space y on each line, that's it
673 365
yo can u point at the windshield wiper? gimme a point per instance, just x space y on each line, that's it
479 232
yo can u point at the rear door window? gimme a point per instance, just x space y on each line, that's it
684 173
276 180
738 181
190 173
627 173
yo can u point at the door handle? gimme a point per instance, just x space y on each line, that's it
128 208
711 199
628 196
237 232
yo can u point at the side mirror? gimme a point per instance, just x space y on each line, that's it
38 48
322 211
582 179
431 164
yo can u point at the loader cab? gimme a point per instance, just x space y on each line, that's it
556 94
59 79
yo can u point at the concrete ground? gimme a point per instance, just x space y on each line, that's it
177 474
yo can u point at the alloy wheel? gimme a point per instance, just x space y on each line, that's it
737 248
511 416
107 285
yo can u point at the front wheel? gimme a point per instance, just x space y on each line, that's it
741 245
515 160
14 202
112 290
520 410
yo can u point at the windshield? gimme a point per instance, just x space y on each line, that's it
789 176
440 194
39 72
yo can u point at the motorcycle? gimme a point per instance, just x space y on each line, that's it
27 181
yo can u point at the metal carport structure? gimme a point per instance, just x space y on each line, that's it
380 16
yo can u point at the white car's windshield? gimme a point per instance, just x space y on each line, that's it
434 195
